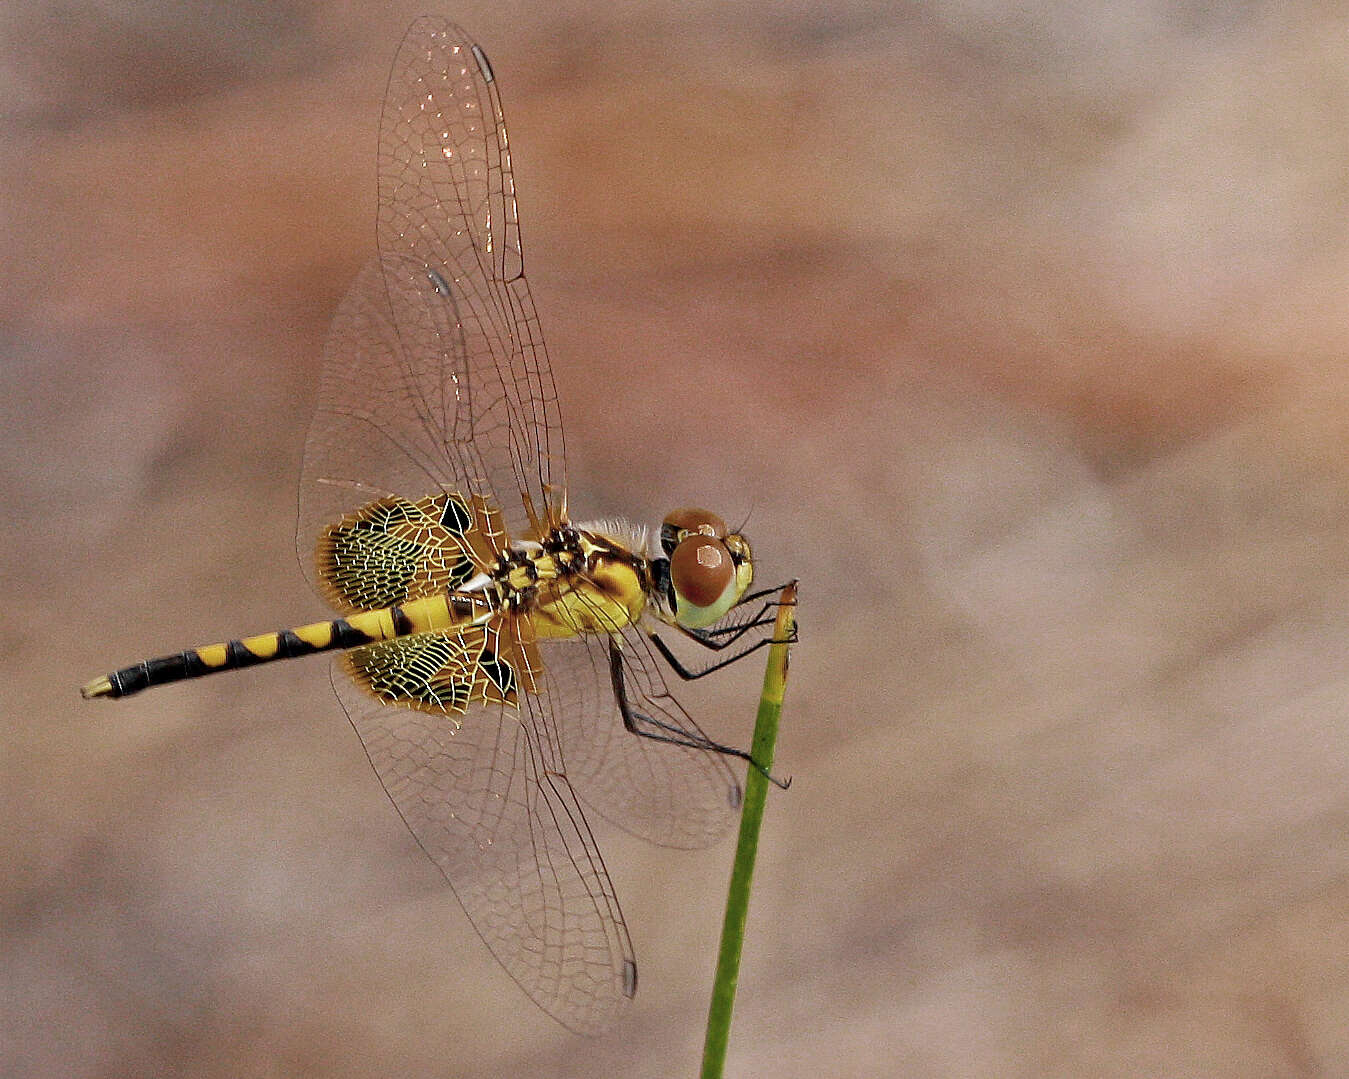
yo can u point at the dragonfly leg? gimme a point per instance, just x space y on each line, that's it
689 675
775 590
660 731
721 636
719 639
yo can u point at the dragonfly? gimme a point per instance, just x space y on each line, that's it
502 665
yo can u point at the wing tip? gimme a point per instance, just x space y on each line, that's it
484 65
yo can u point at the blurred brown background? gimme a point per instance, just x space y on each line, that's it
1020 329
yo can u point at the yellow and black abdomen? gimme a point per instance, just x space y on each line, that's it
360 628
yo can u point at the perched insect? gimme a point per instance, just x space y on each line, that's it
496 659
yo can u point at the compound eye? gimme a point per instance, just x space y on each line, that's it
704 578
689 522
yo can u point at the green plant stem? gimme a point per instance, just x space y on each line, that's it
751 816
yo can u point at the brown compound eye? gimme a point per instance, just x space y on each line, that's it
689 522
704 577
701 568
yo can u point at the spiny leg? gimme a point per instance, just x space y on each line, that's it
776 590
718 637
706 638
667 732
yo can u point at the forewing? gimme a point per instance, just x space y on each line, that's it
435 377
486 798
394 549
667 794
391 422
447 202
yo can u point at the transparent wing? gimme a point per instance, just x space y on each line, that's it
447 202
436 393
489 803
666 794
435 377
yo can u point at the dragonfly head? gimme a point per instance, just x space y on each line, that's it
709 568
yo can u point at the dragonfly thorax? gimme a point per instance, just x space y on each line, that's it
578 580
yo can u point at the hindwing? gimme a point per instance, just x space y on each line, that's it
447 670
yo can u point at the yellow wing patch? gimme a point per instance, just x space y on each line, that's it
394 550
446 670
